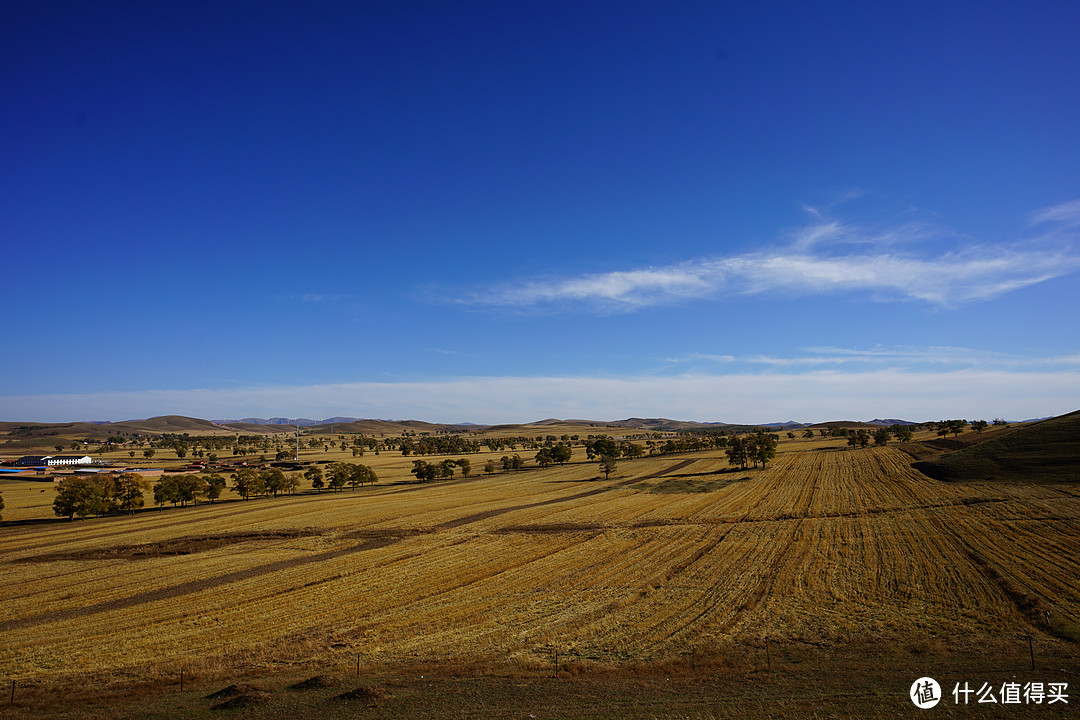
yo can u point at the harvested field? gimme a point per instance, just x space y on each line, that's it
824 547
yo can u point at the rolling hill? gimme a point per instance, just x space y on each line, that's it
1046 451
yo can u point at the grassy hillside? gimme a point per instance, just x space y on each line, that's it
836 424
1046 451
168 424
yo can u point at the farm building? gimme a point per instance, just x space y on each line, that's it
54 460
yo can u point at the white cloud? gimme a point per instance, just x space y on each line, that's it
889 358
812 264
740 397
1067 213
633 288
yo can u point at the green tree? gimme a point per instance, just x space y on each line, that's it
808 433
881 436
738 452
246 482
607 465
338 474
360 475
561 453
149 453
762 447
189 488
543 457
78 496
59 448
314 475
424 471
979 425
181 452
292 483
601 446
274 481
128 491
465 465
166 489
215 484
489 467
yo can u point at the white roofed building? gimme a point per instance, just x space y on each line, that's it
54 460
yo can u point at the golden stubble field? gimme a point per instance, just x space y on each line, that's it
825 546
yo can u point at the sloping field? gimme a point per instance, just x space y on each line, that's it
1046 451
823 546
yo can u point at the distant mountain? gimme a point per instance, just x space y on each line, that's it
302 422
887 423
789 425
842 424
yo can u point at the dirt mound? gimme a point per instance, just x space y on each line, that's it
232 691
372 695
245 699
319 681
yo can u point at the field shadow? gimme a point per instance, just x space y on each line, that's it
176 546
687 483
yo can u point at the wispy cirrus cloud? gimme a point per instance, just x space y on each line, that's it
824 257
905 358
1067 213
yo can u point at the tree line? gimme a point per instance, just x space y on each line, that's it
103 494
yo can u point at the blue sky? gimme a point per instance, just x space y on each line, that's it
499 212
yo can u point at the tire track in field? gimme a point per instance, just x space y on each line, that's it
190 518
196 586
426 603
81 535
495 512
193 586
677 620
1028 601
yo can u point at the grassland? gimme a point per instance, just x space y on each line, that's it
1046 451
675 566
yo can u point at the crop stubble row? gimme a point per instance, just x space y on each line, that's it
817 546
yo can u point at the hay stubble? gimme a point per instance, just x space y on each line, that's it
821 546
